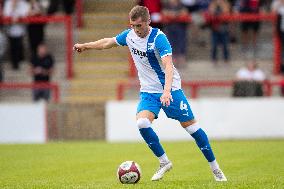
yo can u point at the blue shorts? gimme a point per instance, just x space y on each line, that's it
179 109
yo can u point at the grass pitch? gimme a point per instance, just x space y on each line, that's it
247 164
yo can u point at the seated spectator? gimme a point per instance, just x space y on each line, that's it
176 31
68 6
16 9
249 81
219 30
41 70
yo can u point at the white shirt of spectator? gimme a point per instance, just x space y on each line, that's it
255 75
21 10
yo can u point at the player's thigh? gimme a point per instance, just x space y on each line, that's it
179 109
149 106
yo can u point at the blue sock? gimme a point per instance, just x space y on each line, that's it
203 144
152 140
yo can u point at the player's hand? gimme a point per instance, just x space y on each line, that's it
78 47
166 98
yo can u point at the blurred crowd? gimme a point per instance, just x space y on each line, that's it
222 33
12 38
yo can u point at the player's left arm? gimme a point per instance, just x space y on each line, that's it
165 51
166 98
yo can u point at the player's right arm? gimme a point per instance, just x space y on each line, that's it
105 43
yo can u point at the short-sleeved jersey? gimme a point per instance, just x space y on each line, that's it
147 53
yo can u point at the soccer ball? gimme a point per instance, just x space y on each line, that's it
129 172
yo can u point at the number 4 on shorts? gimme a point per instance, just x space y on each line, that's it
183 106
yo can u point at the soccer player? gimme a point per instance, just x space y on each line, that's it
160 87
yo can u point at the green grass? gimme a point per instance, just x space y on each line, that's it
247 164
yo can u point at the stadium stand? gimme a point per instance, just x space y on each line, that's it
97 73
56 43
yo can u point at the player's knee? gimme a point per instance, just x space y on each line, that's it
188 123
143 123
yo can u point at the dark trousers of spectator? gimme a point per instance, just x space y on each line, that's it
36 36
1 71
220 38
41 94
68 6
16 51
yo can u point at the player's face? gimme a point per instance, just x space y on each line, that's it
141 28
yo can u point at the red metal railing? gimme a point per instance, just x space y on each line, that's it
52 86
236 17
67 20
196 85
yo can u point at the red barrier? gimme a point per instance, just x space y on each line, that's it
196 85
236 17
52 86
67 20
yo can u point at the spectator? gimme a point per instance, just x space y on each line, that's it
155 8
68 6
35 30
42 69
219 29
249 81
176 31
16 9
249 6
3 45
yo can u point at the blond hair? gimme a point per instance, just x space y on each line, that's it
139 11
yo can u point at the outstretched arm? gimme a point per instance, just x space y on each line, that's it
105 43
